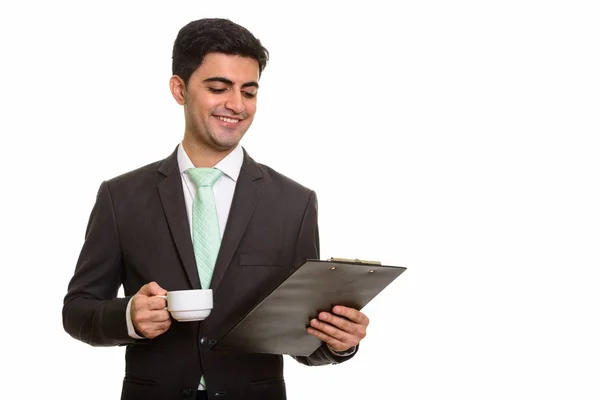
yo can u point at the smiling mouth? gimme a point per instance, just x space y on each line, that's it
228 120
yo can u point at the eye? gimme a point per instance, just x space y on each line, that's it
216 90
249 95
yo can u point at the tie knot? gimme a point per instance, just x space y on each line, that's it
204 176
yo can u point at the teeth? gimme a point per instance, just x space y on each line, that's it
229 120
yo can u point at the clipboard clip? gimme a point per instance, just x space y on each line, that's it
354 261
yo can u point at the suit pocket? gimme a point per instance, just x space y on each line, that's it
266 382
269 389
267 259
135 387
136 380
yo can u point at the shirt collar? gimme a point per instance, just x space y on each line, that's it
230 165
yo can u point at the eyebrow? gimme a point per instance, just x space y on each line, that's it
230 82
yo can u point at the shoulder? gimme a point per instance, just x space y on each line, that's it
147 175
137 177
279 179
274 181
284 193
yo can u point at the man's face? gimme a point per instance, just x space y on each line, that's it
220 101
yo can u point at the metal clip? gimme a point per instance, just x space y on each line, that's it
354 261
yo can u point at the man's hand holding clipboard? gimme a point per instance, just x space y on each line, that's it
321 297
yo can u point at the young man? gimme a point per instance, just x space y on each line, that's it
141 235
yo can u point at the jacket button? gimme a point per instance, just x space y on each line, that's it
186 393
204 341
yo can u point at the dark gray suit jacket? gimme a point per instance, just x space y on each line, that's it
138 232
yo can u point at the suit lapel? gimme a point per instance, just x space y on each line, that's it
247 192
170 191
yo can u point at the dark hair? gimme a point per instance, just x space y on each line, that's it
214 35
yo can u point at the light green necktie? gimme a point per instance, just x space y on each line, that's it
206 235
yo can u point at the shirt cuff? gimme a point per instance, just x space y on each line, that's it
130 328
346 353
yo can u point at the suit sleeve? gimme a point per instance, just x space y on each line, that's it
307 247
91 312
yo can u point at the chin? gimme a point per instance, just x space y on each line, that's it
225 145
228 142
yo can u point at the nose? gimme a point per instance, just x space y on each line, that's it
235 102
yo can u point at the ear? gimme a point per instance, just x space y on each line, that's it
177 89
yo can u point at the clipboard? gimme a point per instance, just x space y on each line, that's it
277 325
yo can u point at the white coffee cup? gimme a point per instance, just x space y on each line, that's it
189 305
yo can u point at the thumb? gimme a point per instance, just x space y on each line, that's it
152 289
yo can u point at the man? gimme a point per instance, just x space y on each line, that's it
140 235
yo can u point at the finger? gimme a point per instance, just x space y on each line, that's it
156 290
146 316
153 322
333 342
156 303
164 326
150 328
329 330
145 290
340 322
151 331
152 289
352 314
141 303
344 324
160 316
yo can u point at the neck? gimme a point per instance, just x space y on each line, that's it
202 156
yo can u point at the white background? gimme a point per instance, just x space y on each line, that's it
457 139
